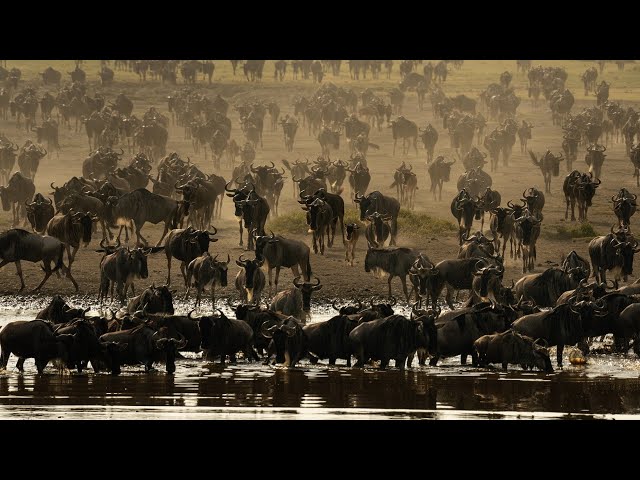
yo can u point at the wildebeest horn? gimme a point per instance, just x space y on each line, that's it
295 282
333 304
227 185
55 188
546 344
215 230
395 300
189 315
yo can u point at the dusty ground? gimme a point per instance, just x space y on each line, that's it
340 280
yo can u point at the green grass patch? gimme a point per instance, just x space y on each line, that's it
562 232
409 223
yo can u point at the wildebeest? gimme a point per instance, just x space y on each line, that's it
439 172
153 300
59 312
295 301
288 339
17 245
71 228
222 336
465 209
33 339
141 206
594 159
330 339
206 270
527 230
378 230
120 268
429 137
359 179
393 261
573 260
608 252
407 131
39 212
377 202
186 245
145 345
549 165
565 324
15 195
462 328
545 288
394 337
502 228
250 280
351 240
278 252
319 219
624 206
511 347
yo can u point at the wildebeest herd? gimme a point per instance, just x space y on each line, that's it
120 193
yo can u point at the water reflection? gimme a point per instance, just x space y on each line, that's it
323 389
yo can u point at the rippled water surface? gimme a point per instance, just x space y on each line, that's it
607 387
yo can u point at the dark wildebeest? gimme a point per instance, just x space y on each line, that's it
394 337
288 339
545 288
330 339
502 228
120 268
488 202
278 252
407 131
429 137
573 260
153 300
250 280
549 166
464 209
378 230
627 327
33 339
439 172
594 159
39 212
141 206
17 245
71 228
295 301
527 230
319 219
608 252
511 347
15 195
186 245
377 202
59 312
393 261
457 334
420 277
565 324
222 336
351 240
624 206
206 270
145 345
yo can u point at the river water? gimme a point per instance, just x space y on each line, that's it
607 387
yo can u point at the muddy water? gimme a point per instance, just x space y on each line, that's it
607 387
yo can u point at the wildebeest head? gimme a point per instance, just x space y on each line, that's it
351 228
169 347
279 332
261 243
486 272
307 288
364 202
624 254
138 262
202 238
384 309
541 358
552 162
161 299
527 223
250 269
429 330
221 269
516 209
347 309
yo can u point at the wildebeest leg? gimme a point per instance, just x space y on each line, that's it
19 273
400 362
19 364
277 276
213 295
463 359
434 360
164 233
404 288
389 282
449 295
560 349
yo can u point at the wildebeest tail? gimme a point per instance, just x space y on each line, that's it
534 159
374 146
